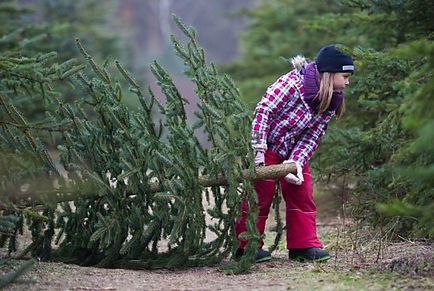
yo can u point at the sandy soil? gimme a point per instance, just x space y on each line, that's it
357 263
411 263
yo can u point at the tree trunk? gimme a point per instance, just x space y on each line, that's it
266 172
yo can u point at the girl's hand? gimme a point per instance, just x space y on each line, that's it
259 158
296 179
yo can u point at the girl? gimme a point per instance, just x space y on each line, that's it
289 122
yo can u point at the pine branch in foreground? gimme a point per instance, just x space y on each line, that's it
13 275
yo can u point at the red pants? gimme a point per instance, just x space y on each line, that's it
300 208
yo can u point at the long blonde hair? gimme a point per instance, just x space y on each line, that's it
325 94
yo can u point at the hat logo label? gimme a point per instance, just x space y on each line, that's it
348 68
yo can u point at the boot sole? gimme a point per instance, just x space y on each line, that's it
264 259
304 260
261 260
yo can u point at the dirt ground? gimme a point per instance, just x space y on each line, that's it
360 261
404 265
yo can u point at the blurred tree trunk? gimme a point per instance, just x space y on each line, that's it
142 17
148 23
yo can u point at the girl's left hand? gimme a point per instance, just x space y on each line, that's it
259 158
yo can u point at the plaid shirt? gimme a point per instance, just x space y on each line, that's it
285 123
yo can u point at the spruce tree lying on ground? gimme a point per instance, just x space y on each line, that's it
113 158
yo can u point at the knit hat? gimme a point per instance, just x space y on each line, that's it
330 59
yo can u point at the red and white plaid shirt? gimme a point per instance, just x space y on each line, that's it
285 123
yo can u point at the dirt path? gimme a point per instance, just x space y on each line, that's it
277 275
412 263
358 263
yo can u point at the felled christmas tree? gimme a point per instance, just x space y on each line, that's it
146 193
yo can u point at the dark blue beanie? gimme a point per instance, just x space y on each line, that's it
330 59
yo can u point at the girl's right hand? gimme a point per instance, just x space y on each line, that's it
296 179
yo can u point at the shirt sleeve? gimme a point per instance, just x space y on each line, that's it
273 100
308 141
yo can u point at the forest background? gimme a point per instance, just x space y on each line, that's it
380 154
